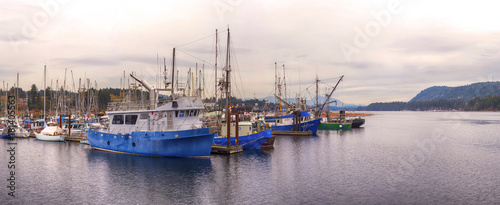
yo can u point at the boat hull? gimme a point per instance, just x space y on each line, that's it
252 141
53 138
356 123
334 126
186 143
304 126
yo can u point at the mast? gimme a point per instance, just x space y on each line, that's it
275 91
228 92
17 94
317 96
203 88
44 93
52 96
57 97
215 84
197 82
173 70
216 54
64 93
5 105
165 71
188 79
284 81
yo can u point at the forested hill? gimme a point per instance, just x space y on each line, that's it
461 93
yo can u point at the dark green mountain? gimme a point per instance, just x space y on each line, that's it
461 93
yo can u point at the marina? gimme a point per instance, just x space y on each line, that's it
249 102
453 161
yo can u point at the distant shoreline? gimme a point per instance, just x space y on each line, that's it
465 111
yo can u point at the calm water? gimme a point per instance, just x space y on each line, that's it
397 158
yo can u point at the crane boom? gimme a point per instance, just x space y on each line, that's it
283 100
328 97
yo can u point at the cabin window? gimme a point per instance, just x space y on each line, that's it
130 119
117 119
174 104
195 113
191 112
144 116
176 113
181 113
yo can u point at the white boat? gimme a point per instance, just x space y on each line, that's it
20 131
51 133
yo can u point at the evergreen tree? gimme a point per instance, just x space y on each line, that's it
34 100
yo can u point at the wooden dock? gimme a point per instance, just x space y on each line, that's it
74 138
301 133
222 149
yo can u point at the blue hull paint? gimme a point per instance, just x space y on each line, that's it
305 126
5 136
252 141
186 143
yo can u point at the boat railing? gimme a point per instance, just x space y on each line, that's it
116 105
130 105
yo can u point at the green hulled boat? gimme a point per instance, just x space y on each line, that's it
334 126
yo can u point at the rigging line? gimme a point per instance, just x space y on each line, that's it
194 56
195 41
238 67
307 89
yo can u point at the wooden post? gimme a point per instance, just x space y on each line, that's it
236 142
228 122
69 125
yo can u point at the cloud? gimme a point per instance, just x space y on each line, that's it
421 47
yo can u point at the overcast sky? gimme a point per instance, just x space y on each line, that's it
387 50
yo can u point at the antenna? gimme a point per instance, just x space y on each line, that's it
165 71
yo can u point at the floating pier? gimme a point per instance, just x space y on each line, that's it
74 138
301 133
223 149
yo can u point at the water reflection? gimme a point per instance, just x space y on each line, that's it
154 180
393 159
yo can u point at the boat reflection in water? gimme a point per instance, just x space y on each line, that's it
129 179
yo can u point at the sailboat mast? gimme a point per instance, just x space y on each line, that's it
203 88
173 70
17 94
44 91
64 111
215 84
216 54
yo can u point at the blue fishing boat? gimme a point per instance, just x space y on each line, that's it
285 122
3 134
248 137
169 130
